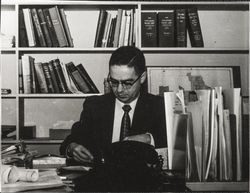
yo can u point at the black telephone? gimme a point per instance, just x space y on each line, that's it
127 166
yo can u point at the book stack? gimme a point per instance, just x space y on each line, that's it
169 28
116 29
214 133
53 77
44 27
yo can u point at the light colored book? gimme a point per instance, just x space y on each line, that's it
29 27
27 77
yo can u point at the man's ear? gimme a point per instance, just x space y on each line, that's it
143 77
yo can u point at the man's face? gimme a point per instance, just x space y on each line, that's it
125 74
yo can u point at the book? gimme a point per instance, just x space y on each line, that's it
233 103
117 27
29 27
100 28
27 78
66 27
122 29
58 26
111 33
23 39
149 29
227 131
44 27
77 78
38 28
33 76
53 77
106 30
41 77
166 31
87 78
131 32
127 29
194 28
60 76
20 76
51 29
181 30
48 78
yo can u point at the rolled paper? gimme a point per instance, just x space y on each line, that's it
28 175
9 174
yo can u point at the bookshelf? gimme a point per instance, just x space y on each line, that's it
225 28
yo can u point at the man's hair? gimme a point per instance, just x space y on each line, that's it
129 56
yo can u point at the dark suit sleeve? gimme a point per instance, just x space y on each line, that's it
81 130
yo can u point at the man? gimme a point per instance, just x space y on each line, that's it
103 117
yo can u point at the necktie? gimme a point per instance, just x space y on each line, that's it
125 125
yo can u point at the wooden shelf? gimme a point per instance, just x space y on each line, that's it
218 186
56 95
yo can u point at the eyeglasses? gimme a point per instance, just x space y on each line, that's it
126 84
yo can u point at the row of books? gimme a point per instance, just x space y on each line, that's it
169 28
115 29
53 77
44 27
211 121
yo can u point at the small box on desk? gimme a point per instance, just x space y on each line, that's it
28 132
59 133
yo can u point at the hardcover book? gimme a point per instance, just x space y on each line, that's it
53 77
23 39
41 77
100 28
58 26
166 29
87 78
194 28
117 27
51 29
149 29
181 30
77 78
38 28
44 27
29 27
66 27
48 78
59 76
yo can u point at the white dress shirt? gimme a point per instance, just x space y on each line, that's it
118 119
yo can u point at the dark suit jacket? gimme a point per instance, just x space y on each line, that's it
94 130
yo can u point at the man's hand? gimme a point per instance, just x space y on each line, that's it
145 138
80 153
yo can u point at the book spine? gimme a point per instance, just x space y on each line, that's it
48 77
149 29
26 74
127 29
33 76
181 30
122 29
111 33
44 27
38 28
77 78
194 28
51 28
66 27
29 27
131 33
166 29
23 39
41 77
106 29
20 76
53 77
100 28
59 76
58 26
118 27
87 78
